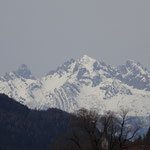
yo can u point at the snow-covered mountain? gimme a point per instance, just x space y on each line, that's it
82 83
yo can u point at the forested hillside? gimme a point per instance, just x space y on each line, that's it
25 129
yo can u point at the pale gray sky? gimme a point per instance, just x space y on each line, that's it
45 33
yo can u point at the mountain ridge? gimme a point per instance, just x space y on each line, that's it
84 82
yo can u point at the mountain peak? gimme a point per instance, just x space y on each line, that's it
24 72
65 67
135 66
23 67
87 58
131 63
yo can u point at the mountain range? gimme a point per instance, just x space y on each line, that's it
84 82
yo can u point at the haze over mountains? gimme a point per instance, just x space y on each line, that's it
84 82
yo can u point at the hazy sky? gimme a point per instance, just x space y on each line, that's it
45 33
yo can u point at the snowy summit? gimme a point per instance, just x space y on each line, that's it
84 82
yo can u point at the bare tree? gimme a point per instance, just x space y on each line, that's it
89 129
119 128
127 129
108 126
86 122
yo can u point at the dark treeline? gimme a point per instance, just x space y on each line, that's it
25 129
